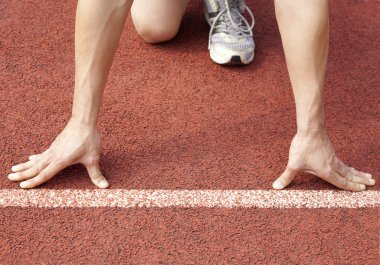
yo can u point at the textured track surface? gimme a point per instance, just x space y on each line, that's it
171 119
190 236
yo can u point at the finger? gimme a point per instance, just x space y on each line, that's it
359 179
39 156
30 172
23 166
34 157
359 173
353 175
96 176
286 177
343 183
48 173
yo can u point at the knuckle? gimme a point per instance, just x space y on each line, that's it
97 177
93 160
68 160
36 168
343 169
43 162
43 175
50 152
47 157
293 167
345 182
335 162
329 173
349 177
62 162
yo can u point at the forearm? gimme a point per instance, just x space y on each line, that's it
304 31
98 27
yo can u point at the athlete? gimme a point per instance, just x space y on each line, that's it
304 29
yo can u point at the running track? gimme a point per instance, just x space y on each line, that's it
190 148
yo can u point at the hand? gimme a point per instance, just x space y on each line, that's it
77 143
315 155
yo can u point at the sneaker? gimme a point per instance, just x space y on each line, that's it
231 38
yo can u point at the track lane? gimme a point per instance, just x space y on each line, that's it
185 123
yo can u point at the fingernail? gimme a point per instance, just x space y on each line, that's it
14 168
277 185
362 187
369 176
12 176
372 181
103 184
23 185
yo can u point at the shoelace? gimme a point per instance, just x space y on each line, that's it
231 15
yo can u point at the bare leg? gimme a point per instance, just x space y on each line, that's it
305 31
158 20
98 27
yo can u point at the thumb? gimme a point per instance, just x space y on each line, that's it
96 175
284 180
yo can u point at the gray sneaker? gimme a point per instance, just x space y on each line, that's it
231 38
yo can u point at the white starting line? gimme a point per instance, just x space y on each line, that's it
188 198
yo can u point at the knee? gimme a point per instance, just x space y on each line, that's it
156 33
154 29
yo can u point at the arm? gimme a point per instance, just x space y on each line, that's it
98 27
304 29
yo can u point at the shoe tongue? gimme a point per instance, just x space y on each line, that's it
233 4
218 5
227 28
225 24
212 6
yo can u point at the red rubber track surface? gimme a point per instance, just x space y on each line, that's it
190 236
171 119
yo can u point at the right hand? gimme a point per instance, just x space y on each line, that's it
77 143
315 155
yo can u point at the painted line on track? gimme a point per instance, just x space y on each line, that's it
124 198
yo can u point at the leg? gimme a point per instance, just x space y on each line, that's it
159 20
304 31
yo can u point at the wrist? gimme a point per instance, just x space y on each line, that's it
83 120
311 120
311 129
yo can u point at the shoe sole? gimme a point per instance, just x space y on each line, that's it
233 60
